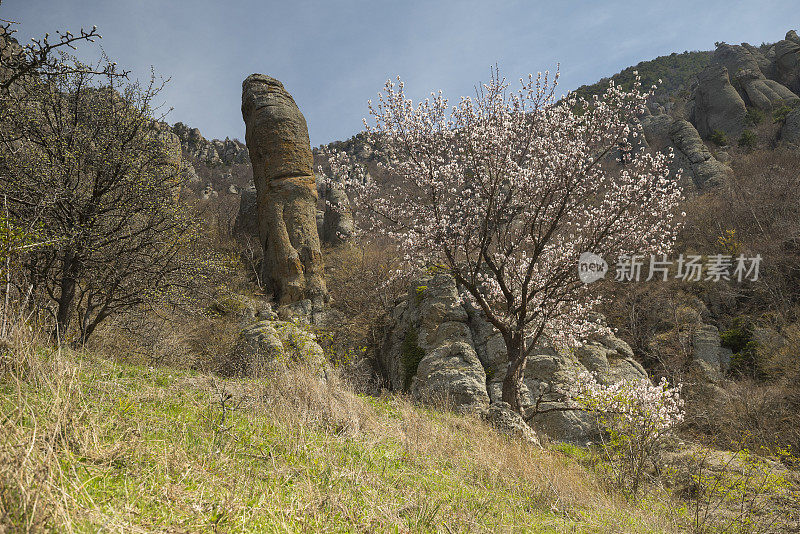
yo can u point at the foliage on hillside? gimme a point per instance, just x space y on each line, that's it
675 71
88 443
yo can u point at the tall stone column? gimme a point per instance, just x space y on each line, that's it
280 151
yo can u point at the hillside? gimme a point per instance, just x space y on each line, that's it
672 74
88 443
205 336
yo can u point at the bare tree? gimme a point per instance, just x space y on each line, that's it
86 161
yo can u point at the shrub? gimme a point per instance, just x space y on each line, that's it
755 116
718 138
637 416
748 139
739 340
779 114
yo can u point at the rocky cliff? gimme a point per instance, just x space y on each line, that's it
211 152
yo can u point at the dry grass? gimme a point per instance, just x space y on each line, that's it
91 444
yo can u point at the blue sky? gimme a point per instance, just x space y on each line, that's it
335 55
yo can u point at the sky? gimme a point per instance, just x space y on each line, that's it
333 55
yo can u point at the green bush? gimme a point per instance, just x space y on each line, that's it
739 339
718 138
412 354
779 114
755 116
748 139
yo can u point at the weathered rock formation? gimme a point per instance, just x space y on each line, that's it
509 422
691 156
709 358
691 153
787 62
337 219
717 105
280 152
741 77
744 65
443 350
429 348
213 152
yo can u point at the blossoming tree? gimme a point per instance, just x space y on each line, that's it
506 190
636 414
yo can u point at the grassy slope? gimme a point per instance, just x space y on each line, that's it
87 444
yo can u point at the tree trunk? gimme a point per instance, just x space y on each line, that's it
67 295
512 383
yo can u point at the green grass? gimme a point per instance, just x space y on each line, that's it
116 447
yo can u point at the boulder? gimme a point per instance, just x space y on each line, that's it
208 192
717 105
267 345
546 369
278 143
428 347
450 374
709 358
508 422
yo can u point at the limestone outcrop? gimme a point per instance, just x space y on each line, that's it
691 156
211 152
268 345
744 76
337 219
442 349
717 105
709 358
429 349
746 66
280 152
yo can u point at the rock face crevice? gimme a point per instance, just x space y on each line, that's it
286 195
